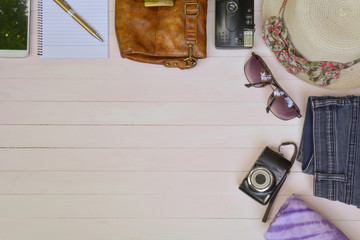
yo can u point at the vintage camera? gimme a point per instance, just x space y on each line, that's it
266 176
234 24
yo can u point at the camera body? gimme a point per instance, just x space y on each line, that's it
234 26
266 176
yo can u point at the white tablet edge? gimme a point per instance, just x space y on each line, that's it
15 52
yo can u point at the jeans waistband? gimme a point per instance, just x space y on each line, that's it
322 101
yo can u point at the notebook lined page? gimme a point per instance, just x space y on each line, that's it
63 37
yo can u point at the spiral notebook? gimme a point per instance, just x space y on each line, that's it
60 36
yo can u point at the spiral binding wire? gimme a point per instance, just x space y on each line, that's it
40 28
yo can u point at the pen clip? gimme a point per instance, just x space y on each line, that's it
65 3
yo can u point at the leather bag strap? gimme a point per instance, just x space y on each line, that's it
191 11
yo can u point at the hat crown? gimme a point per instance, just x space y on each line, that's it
325 29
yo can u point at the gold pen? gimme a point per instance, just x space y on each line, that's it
68 9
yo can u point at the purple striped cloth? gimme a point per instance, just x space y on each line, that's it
296 220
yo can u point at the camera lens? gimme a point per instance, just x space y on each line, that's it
260 179
231 7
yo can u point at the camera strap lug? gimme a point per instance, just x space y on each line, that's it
295 150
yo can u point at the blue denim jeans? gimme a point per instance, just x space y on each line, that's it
330 147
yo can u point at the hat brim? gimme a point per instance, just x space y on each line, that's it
349 78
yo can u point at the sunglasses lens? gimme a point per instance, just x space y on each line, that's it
255 72
282 106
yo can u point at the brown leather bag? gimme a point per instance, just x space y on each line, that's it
173 36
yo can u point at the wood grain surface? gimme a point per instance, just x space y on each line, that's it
113 149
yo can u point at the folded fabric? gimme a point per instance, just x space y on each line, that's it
297 220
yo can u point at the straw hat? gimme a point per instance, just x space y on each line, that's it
323 30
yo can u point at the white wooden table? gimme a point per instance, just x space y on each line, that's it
119 150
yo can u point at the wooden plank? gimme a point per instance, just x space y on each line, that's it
144 229
117 68
136 183
124 89
139 229
143 136
137 113
170 206
158 160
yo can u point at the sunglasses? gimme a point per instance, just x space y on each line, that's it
279 102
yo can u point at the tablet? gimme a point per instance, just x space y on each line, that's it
14 28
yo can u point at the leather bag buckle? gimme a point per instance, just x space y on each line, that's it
186 10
